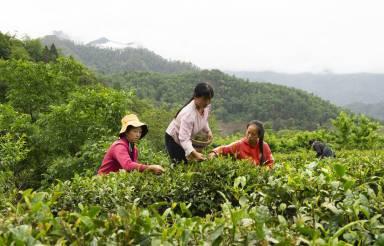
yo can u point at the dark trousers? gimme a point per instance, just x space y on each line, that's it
175 151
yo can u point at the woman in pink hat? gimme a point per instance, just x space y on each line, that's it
123 153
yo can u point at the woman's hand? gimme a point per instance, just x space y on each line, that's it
212 155
156 169
196 156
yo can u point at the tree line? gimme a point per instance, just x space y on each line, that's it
116 61
235 100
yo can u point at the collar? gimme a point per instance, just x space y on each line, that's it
194 107
125 140
245 140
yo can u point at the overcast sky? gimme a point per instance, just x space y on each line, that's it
342 36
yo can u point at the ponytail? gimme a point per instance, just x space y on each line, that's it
190 100
260 128
201 90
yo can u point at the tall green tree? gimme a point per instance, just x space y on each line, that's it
15 143
5 46
3 82
46 56
89 114
53 54
34 48
18 50
33 87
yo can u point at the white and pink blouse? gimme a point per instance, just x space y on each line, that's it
188 123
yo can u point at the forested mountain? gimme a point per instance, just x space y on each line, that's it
235 101
376 110
108 60
348 90
341 89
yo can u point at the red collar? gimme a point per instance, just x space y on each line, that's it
245 140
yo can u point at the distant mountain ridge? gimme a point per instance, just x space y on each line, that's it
341 89
105 43
359 92
106 56
375 110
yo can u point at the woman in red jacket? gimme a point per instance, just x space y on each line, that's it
252 147
123 153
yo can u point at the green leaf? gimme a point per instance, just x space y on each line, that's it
216 235
340 170
240 181
331 207
282 220
93 211
86 221
243 201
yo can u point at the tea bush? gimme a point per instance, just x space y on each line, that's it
302 201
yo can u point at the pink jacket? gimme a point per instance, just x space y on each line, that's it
117 157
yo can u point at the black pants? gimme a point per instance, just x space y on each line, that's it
175 151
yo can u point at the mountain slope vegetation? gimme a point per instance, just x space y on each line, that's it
118 60
235 99
341 89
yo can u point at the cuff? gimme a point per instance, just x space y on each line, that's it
189 150
215 152
142 167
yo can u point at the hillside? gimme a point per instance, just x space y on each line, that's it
360 92
236 101
341 89
376 110
108 60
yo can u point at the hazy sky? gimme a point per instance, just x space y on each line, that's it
342 36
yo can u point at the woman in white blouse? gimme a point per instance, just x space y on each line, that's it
191 119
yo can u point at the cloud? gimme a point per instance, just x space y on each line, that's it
287 36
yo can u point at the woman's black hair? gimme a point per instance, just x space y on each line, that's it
201 90
260 129
130 127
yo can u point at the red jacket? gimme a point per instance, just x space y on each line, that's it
242 150
117 157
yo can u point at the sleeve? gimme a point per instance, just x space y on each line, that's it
120 153
185 133
269 161
318 148
206 126
230 149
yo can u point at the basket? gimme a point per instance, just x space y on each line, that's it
200 140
